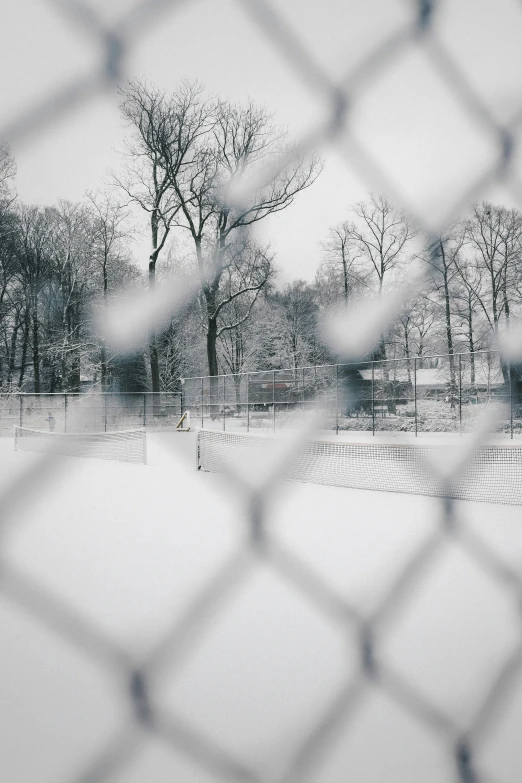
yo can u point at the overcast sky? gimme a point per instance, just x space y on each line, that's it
406 116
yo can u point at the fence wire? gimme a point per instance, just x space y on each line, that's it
460 740
420 394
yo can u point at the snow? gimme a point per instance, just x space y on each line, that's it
128 548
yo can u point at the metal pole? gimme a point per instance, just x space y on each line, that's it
202 393
315 389
373 398
303 392
224 403
510 402
337 399
415 393
460 394
105 412
21 410
273 402
65 412
248 401
144 409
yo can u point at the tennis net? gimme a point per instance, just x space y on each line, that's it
493 474
121 445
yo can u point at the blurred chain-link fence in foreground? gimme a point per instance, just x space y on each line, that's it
468 734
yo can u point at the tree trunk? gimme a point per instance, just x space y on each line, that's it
12 355
407 352
103 345
153 343
471 342
25 346
447 308
75 377
345 279
103 365
36 352
238 363
213 366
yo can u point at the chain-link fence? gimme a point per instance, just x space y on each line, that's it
443 393
397 699
96 412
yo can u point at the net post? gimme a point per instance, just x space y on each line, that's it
248 400
105 411
373 398
202 420
460 394
65 412
273 402
337 399
144 409
21 404
415 393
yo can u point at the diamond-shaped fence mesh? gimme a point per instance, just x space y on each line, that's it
160 625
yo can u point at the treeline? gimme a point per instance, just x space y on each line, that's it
203 171
473 291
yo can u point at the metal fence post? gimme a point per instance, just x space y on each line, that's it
510 401
65 412
303 392
415 393
315 389
248 400
373 398
460 394
224 402
337 399
273 402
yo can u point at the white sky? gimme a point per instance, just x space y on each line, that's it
406 117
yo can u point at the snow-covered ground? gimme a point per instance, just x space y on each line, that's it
125 549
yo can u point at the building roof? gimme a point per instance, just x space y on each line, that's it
436 376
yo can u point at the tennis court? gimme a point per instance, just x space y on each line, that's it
112 566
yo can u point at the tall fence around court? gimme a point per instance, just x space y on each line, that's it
442 393
96 412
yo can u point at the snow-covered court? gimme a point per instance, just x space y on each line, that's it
148 636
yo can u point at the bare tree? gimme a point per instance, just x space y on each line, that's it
242 141
110 227
444 258
494 244
295 337
69 288
341 253
160 153
249 272
381 235
34 240
7 174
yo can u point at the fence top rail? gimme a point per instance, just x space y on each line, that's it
89 394
369 362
